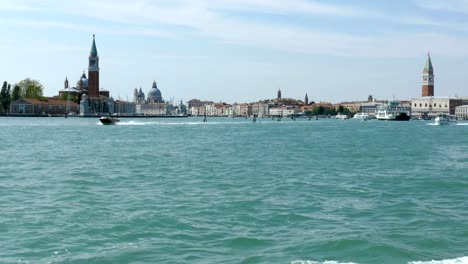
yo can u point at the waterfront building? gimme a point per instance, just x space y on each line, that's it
461 112
434 105
370 108
124 108
428 78
69 93
139 96
154 95
153 104
245 110
260 109
47 106
99 100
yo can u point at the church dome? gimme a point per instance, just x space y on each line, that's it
82 82
154 94
141 93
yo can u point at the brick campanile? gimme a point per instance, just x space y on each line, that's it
428 78
93 72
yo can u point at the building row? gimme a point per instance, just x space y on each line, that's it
86 98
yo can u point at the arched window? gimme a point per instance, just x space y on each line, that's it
420 104
440 106
415 104
425 105
435 104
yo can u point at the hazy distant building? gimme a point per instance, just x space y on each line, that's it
279 94
461 112
139 96
154 95
153 104
428 104
434 105
306 100
47 106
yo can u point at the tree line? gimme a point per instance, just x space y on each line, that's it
320 110
27 88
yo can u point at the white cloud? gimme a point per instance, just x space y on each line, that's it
458 6
185 18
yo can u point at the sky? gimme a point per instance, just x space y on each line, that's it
240 50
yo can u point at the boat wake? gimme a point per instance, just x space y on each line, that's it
136 123
462 260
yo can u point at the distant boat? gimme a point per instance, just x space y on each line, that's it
445 120
394 112
107 120
361 116
341 116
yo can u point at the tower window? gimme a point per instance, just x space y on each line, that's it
425 79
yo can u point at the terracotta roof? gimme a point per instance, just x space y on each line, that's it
48 101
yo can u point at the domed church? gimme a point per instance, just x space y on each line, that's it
153 105
154 95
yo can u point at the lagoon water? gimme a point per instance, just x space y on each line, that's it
232 191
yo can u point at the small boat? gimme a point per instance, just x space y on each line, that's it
341 116
107 120
445 120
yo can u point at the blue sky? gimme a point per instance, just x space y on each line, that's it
240 50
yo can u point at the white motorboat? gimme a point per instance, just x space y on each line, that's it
361 116
341 116
445 120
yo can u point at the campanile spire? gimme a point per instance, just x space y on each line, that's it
428 78
93 71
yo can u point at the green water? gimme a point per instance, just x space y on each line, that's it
231 191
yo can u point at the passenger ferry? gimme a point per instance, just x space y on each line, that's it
394 112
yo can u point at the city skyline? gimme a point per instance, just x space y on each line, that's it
240 51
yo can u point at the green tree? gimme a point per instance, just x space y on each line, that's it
318 110
340 109
5 97
16 94
2 95
30 88
330 111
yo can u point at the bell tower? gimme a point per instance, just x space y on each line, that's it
428 78
93 71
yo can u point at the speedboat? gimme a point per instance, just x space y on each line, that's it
444 120
107 120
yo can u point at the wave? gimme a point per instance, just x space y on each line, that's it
462 260
318 262
136 123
